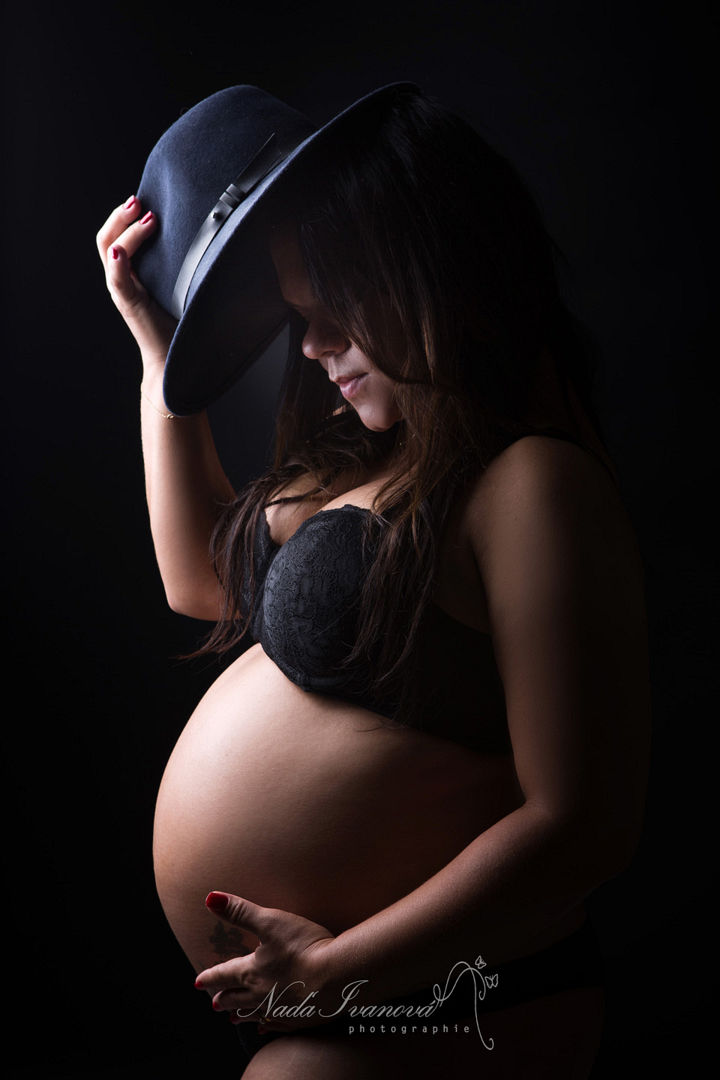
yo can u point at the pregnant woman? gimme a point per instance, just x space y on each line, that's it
434 747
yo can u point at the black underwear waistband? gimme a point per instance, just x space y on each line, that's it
569 964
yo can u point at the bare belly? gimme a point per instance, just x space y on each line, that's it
308 804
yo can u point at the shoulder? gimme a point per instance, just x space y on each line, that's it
544 498
538 464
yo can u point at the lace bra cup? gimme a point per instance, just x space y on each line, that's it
306 604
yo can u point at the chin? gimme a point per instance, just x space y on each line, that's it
378 420
375 425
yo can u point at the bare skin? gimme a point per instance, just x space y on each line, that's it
272 794
267 776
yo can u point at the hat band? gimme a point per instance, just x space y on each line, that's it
268 156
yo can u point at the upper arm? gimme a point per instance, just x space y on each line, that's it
565 600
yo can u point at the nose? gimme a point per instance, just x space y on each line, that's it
323 339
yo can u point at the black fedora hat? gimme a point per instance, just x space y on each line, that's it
206 179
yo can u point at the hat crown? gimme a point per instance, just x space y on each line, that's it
194 161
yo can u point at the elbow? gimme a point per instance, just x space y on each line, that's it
601 852
612 860
195 604
617 825
599 827
589 848
625 849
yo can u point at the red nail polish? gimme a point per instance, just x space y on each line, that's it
114 252
129 203
148 217
216 901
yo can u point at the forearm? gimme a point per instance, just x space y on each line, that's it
185 486
185 481
496 899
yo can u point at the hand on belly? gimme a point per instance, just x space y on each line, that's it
281 984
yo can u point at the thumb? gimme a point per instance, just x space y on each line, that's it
238 911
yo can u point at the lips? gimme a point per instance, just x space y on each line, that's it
349 384
343 380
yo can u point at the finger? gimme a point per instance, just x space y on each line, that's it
135 234
124 287
266 1024
250 996
243 1003
237 974
255 1010
241 912
263 1028
116 224
152 327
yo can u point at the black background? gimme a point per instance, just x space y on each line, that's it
604 107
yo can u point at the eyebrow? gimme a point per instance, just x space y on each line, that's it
301 309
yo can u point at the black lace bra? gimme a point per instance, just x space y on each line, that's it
305 609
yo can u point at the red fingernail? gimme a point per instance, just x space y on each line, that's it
115 252
216 901
198 985
148 217
129 203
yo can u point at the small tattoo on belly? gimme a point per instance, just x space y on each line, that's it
228 941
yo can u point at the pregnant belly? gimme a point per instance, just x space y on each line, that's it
308 804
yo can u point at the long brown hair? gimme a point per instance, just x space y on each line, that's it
430 254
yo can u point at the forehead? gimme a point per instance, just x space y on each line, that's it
290 267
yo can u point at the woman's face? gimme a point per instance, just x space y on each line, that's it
368 389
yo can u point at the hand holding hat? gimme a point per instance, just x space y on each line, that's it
118 240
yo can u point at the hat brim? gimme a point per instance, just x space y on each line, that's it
234 308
